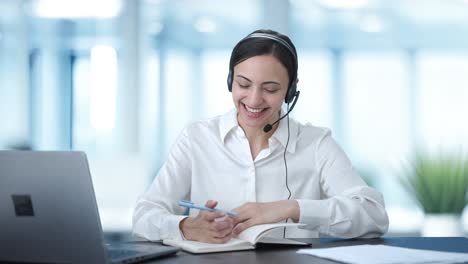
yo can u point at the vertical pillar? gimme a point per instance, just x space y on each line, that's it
51 93
338 95
128 118
413 97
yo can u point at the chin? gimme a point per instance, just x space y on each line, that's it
255 125
246 121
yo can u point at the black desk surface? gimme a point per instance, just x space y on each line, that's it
270 254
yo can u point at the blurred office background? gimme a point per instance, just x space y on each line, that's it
119 79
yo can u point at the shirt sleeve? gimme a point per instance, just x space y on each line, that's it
349 207
157 214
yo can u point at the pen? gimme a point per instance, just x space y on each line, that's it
189 204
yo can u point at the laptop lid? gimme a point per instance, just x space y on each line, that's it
48 210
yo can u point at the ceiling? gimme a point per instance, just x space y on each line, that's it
311 23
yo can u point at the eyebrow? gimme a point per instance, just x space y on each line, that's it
267 82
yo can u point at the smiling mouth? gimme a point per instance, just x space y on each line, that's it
254 110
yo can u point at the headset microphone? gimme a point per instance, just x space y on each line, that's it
269 127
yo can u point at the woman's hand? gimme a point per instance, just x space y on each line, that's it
208 226
251 214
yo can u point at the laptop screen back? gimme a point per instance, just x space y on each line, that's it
48 210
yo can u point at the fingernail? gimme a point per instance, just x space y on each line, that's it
220 219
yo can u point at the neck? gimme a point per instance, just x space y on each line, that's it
256 134
257 138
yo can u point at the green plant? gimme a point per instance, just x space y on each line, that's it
439 182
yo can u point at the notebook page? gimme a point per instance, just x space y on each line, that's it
381 254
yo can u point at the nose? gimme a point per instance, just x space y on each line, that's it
255 97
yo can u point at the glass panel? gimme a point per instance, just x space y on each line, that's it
83 133
315 102
94 101
377 106
377 121
442 101
150 108
215 67
178 94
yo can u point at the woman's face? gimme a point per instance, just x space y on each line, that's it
258 90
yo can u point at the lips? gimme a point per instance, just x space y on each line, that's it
254 112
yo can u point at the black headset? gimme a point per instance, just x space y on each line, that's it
292 88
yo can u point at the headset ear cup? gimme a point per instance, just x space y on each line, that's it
229 81
291 93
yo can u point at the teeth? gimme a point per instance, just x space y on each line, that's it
254 110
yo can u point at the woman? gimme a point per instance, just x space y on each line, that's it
264 170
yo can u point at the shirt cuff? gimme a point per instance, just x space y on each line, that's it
315 214
171 229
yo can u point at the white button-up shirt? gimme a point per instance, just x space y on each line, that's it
211 160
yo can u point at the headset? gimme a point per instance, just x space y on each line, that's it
292 88
292 95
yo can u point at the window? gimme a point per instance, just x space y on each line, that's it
376 106
179 91
215 65
442 100
94 89
315 102
377 117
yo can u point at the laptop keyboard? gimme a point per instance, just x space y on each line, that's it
121 253
132 253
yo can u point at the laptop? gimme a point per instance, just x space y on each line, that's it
48 213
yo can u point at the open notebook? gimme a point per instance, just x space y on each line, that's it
244 241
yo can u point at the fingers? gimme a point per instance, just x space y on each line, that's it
242 226
220 240
238 229
221 229
219 225
211 216
204 227
222 225
221 219
221 234
245 211
240 218
211 203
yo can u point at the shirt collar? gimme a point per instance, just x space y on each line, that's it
281 133
229 123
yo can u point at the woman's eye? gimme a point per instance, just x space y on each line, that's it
242 85
271 90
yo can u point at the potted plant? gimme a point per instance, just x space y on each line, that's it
439 184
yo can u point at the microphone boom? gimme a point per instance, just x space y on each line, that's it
268 127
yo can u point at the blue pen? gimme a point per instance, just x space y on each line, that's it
189 204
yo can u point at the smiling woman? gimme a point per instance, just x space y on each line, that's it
234 162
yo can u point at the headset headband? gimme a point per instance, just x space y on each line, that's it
272 37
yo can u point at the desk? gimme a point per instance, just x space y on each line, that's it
270 254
